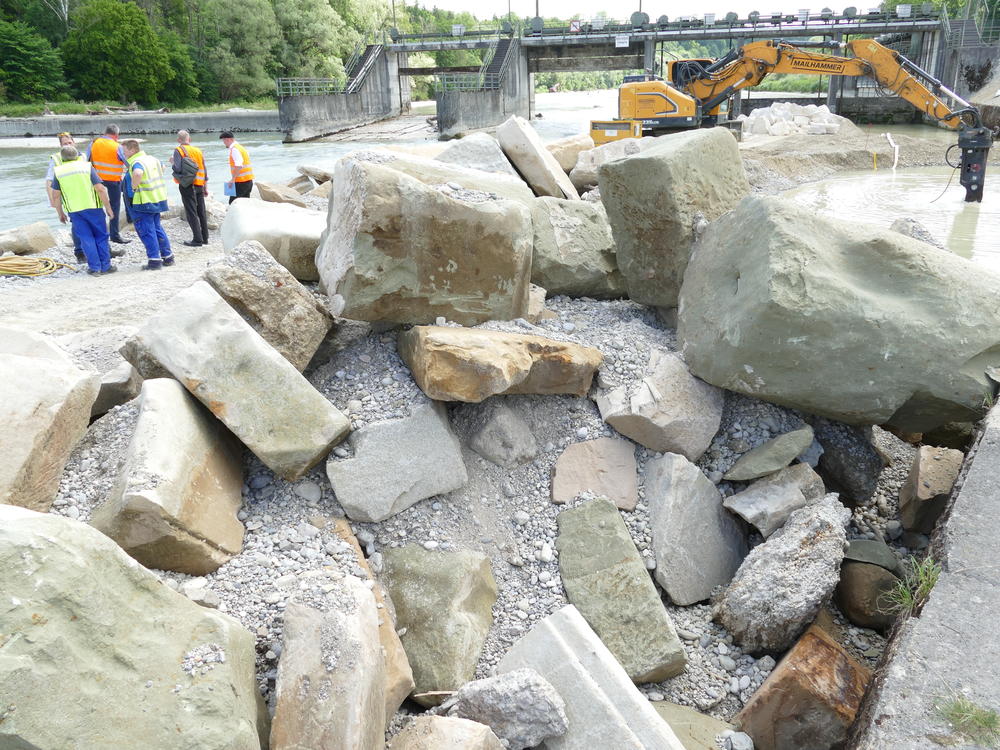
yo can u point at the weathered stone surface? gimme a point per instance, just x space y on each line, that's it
91 620
685 505
574 252
444 601
463 364
956 435
274 193
397 463
863 594
503 437
604 708
802 561
914 328
43 415
536 305
607 581
772 456
913 228
28 240
809 700
528 154
874 552
521 707
766 508
302 184
398 675
445 733
255 391
321 174
118 386
584 172
798 475
687 178
174 505
323 190
291 234
850 462
605 467
924 494
478 151
271 300
670 411
401 251
696 731
331 676
567 150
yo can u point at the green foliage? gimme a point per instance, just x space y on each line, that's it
182 85
972 722
237 48
580 80
792 82
112 53
30 70
913 589
314 40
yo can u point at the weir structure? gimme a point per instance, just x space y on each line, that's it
377 86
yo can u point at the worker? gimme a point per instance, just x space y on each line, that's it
239 167
144 183
109 161
193 188
79 191
65 139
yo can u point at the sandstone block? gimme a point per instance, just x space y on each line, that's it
695 730
772 456
588 162
462 364
119 385
302 184
44 414
271 300
605 467
274 193
478 151
248 385
604 708
323 190
503 437
924 494
398 463
567 150
320 173
445 733
798 475
687 178
175 503
290 233
607 581
526 151
683 506
669 412
400 251
28 240
766 508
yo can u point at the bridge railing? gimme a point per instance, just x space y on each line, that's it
309 86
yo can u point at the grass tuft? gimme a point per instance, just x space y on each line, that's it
912 590
974 723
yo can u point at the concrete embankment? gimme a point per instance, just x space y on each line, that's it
169 122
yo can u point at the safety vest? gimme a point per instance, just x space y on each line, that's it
57 158
195 153
244 173
104 157
78 192
152 189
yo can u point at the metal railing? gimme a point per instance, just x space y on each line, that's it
367 60
482 79
309 86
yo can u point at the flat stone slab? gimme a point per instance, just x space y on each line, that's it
478 151
445 733
605 467
290 233
766 508
539 168
772 456
696 731
242 379
28 240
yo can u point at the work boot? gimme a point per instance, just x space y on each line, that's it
80 256
153 265
94 271
168 260
117 252
192 243
111 269
119 241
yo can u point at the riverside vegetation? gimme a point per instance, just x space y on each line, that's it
491 450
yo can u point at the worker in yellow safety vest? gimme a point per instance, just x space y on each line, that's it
65 139
239 168
77 190
109 161
191 176
146 186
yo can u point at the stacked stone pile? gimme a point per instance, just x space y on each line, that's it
421 505
789 118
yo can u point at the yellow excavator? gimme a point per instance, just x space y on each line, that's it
693 94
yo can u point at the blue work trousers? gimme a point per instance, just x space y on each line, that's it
115 197
77 247
154 239
93 233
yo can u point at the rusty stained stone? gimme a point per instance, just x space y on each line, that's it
809 700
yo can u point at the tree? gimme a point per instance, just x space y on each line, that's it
314 41
182 85
30 70
237 53
112 53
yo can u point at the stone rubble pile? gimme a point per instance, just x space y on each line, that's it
424 504
788 118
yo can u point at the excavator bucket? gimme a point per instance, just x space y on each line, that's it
974 143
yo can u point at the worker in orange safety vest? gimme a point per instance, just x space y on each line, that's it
239 168
109 162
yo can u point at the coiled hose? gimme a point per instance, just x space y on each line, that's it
18 266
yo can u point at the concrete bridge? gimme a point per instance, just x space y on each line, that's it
377 86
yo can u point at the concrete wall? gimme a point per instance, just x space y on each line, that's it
170 122
462 111
967 70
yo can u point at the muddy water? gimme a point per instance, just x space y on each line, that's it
971 230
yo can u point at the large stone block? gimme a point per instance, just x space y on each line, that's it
99 654
604 708
401 251
28 240
588 162
274 193
290 233
774 287
924 494
698 545
809 700
604 467
445 733
444 607
463 364
656 198
330 691
768 507
398 463
607 581
863 594
118 386
478 151
574 252
243 381
43 415
850 463
526 151
567 150
271 300
175 503
772 456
